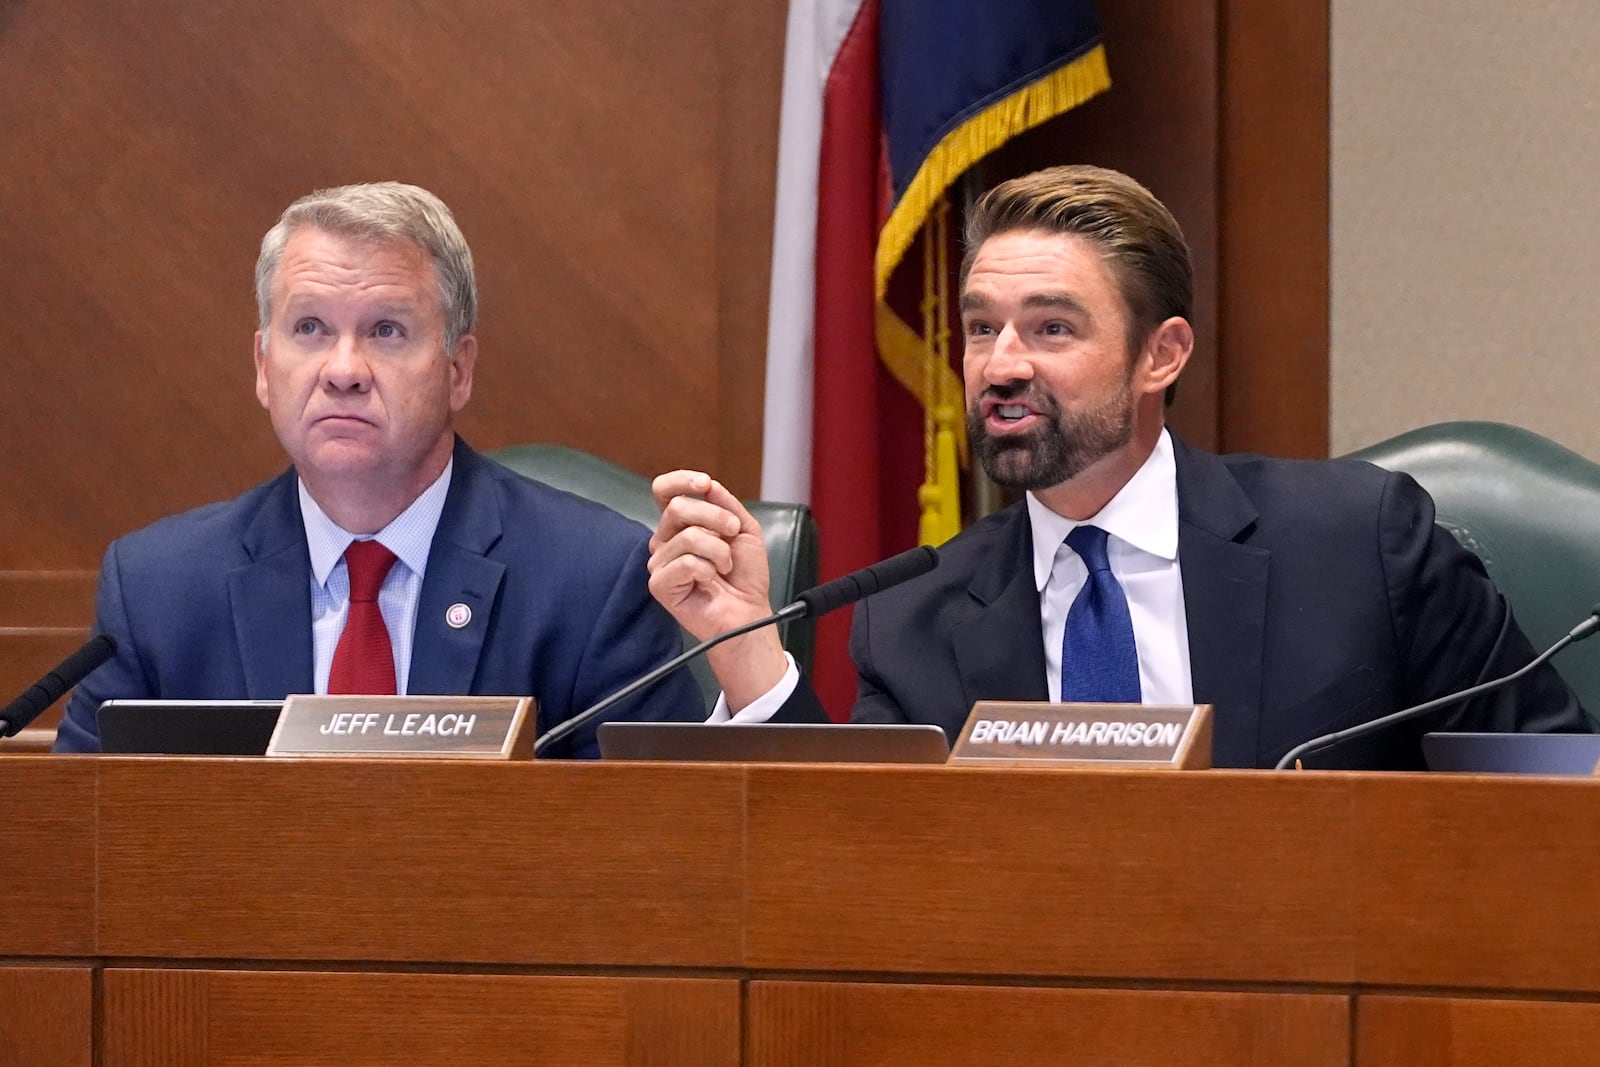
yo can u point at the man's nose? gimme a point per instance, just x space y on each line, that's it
346 367
1009 358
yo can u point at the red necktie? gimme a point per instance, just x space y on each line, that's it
363 662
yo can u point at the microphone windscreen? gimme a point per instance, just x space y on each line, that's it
840 592
47 690
76 667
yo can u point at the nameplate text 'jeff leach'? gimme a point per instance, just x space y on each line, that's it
426 727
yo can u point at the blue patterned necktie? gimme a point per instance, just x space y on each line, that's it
1099 661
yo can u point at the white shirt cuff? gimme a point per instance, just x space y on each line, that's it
764 706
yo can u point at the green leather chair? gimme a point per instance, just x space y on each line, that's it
1530 510
789 530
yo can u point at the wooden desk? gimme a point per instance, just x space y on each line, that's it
249 911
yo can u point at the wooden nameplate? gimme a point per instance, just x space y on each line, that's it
409 727
1143 736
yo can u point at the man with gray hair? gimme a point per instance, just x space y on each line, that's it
392 558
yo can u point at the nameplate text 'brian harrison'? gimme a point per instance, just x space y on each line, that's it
1125 735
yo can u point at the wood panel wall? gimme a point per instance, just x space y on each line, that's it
611 163
1273 198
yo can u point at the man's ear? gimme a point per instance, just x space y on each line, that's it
1166 353
462 364
261 367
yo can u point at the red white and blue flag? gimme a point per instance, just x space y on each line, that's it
886 103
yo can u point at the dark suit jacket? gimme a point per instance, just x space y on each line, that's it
1317 594
216 604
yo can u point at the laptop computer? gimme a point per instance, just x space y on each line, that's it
773 742
1486 753
187 727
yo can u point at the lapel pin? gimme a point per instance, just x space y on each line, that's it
457 616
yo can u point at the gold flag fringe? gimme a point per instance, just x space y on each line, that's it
922 363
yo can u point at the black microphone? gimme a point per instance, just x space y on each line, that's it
1584 629
47 690
821 599
818 600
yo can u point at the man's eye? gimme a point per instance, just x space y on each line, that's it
978 329
306 327
387 331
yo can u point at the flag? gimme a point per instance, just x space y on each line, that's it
885 104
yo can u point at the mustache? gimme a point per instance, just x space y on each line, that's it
1017 391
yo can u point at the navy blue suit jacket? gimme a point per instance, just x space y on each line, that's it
216 604
1317 595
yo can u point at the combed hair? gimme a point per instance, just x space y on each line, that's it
1134 231
382 212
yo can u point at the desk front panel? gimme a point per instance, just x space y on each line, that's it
47 845
202 1018
46 1016
816 1024
1203 876
520 863
1477 882
1396 1031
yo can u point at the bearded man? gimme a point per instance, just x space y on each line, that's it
1296 597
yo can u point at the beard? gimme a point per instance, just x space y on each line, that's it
1061 447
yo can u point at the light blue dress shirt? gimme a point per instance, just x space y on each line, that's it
409 537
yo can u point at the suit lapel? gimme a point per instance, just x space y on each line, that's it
999 648
270 598
444 657
1225 601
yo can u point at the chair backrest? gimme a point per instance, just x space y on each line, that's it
789 530
1530 510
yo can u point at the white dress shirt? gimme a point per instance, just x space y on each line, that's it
1142 547
409 536
1141 522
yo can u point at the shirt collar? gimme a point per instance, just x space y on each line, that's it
409 536
1144 514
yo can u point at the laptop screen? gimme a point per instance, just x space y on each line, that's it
1480 753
